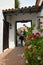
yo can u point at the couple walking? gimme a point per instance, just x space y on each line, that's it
22 36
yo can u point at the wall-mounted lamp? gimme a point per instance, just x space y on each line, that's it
10 26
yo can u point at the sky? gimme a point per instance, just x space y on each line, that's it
6 4
27 3
19 25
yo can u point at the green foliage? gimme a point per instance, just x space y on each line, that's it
17 3
33 25
34 54
29 33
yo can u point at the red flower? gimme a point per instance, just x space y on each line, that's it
41 22
40 64
37 34
34 35
26 48
33 52
28 64
29 38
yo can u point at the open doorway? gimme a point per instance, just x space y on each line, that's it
21 26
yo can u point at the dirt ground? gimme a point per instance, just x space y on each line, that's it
12 57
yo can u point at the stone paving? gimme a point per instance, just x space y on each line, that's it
12 57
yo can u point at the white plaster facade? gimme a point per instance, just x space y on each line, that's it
20 17
15 18
3 5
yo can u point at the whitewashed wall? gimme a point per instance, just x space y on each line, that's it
1 33
21 17
11 37
4 4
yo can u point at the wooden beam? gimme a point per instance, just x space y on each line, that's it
37 2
